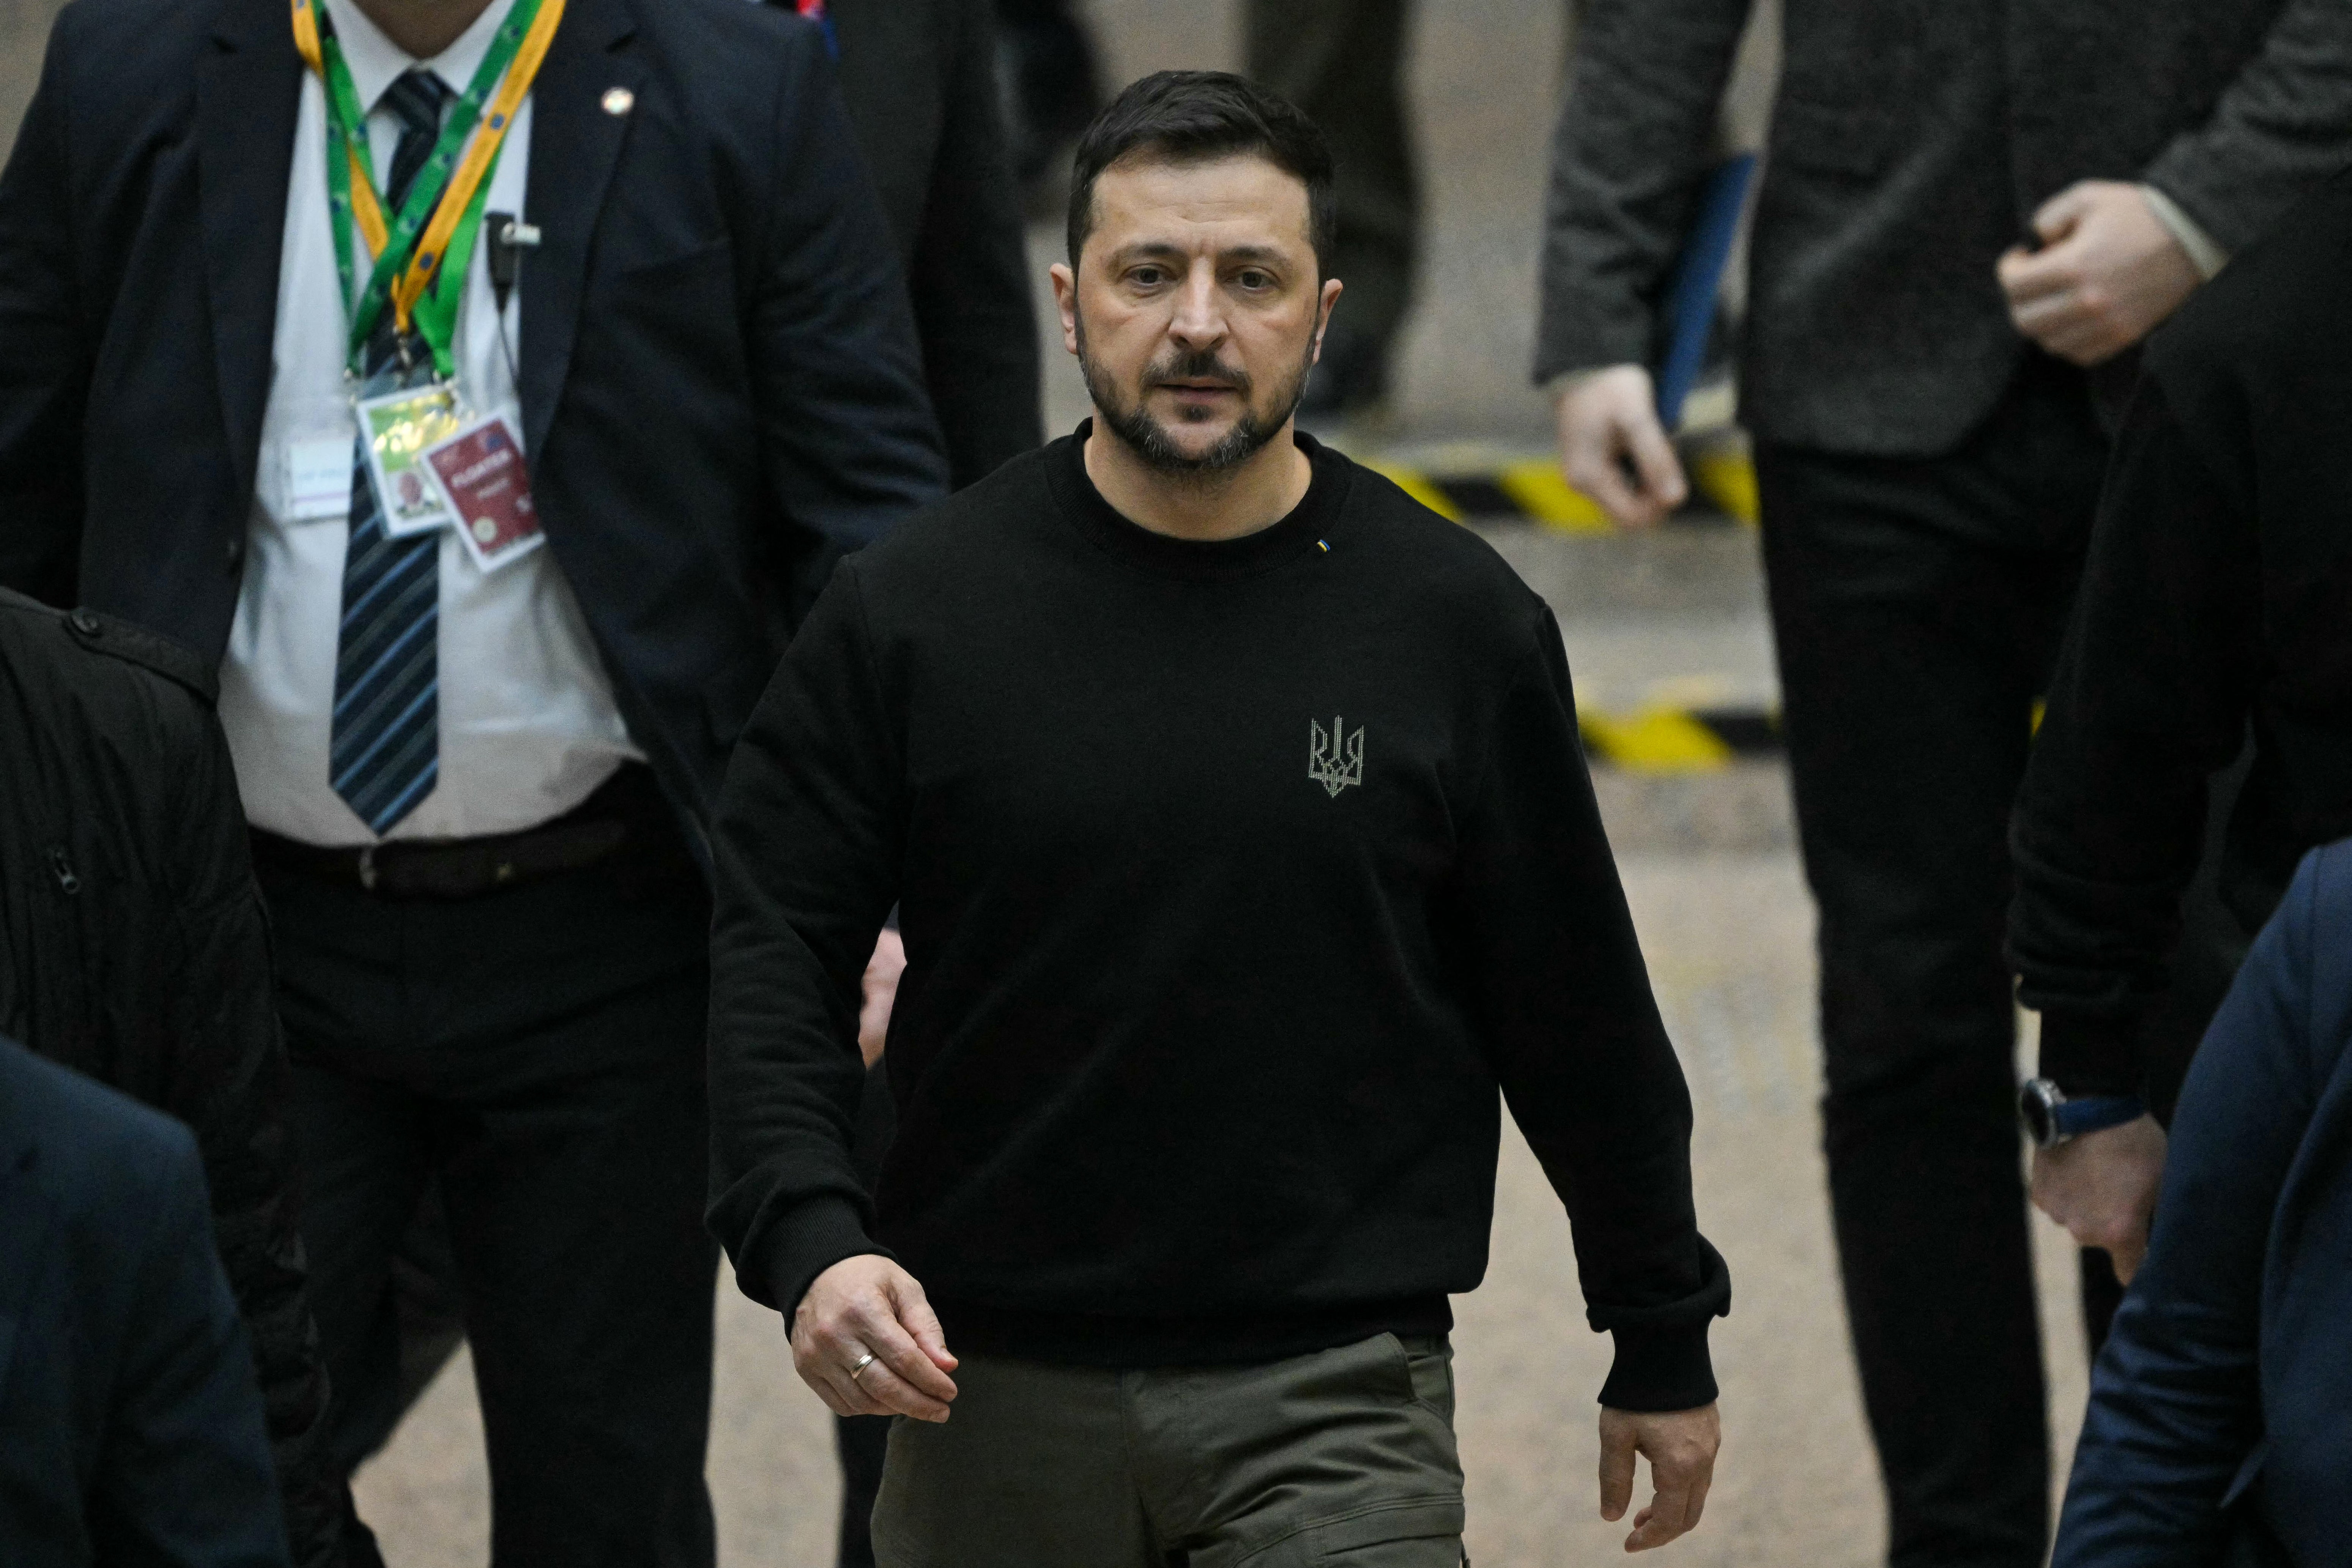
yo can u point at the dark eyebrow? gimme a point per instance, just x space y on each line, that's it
1149 250
1169 250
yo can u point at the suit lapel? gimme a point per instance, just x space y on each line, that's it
575 141
25 1206
247 93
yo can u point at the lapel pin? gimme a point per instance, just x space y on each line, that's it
619 100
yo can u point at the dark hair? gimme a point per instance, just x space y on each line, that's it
1185 117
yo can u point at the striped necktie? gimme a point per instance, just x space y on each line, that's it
383 750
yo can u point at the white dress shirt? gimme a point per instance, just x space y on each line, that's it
529 727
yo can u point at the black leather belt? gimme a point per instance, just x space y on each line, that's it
624 814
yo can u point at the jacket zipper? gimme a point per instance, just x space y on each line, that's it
62 869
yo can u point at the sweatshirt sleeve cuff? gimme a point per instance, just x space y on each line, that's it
1662 1367
2086 1053
817 1234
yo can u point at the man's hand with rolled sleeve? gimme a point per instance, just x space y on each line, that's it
1680 1446
2107 273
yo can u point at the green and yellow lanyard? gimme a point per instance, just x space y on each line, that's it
421 256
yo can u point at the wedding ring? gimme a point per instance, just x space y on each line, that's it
863 1362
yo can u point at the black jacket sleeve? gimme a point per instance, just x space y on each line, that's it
970 275
847 433
43 362
229 1081
1564 1003
2150 697
807 849
184 1476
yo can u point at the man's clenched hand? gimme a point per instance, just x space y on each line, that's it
2107 272
1613 447
1680 1446
869 1303
2102 1187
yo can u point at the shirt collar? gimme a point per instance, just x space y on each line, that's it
375 61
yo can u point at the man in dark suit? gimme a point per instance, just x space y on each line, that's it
478 758
131 1430
919 84
1928 396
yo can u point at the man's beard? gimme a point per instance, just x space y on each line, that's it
1152 441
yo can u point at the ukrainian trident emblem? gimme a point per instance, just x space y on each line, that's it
1335 759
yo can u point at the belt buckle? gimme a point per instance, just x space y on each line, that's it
367 868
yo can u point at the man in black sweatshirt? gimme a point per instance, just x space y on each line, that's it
2216 606
1232 806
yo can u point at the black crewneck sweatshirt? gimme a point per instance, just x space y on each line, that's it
1234 878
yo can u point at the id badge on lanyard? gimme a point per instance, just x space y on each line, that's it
421 255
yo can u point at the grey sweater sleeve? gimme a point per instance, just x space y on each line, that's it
1628 157
2282 127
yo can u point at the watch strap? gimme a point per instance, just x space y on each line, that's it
2094 1114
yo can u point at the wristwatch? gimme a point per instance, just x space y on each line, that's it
2051 1118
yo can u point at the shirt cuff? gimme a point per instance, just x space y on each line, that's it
2088 1053
2204 252
1662 1367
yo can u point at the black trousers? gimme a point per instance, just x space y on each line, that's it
538 1054
1342 63
1917 605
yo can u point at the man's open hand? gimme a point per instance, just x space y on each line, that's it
2107 272
1613 447
1680 1445
2102 1187
869 1303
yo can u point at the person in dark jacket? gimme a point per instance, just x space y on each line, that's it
2218 1427
134 949
131 1432
2213 610
1930 397
920 85
478 739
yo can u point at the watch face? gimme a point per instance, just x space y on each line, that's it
2036 1110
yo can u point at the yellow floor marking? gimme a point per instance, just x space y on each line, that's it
1656 741
1728 479
1415 483
1538 488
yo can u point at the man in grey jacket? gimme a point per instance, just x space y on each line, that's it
1971 216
